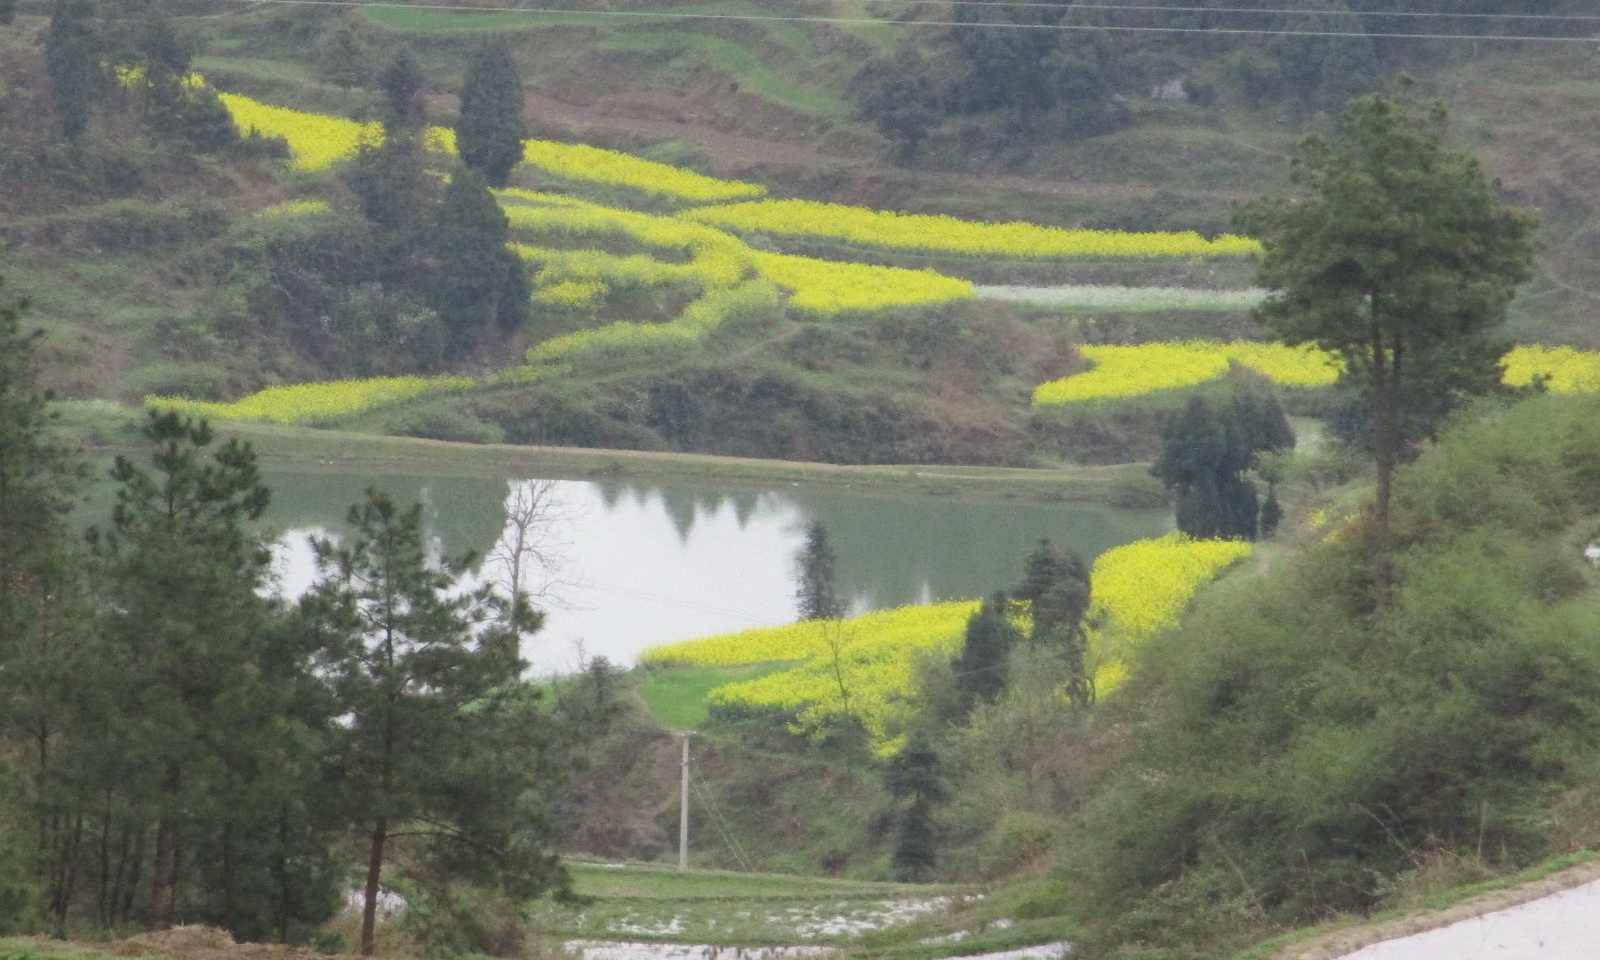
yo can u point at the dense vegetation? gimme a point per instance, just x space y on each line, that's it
183 747
296 214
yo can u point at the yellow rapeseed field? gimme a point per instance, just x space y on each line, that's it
1131 371
831 287
1567 370
712 309
865 666
877 654
1141 589
290 209
886 228
576 161
306 402
316 140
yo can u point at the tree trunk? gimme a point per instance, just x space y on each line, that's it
369 904
164 869
1385 451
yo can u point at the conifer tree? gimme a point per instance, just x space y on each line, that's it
481 285
490 130
1401 259
44 621
401 82
915 776
184 585
421 669
981 669
72 58
1056 587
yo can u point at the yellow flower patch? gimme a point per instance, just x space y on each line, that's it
316 140
1141 589
576 161
1567 370
1131 371
907 231
303 402
830 287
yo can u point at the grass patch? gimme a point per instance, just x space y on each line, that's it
744 66
677 695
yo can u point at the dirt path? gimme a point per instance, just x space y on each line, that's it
1340 943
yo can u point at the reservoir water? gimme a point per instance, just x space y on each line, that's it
642 564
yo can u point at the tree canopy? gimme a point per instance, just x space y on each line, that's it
1400 258
490 130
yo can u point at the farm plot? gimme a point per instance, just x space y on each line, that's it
864 667
1122 372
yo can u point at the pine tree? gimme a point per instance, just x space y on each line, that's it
186 623
1402 260
44 620
490 130
423 670
72 58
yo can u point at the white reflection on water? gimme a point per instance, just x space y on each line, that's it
631 575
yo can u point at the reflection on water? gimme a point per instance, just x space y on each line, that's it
643 564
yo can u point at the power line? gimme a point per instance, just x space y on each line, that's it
1060 27
1265 11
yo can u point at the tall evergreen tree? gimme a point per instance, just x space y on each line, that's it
982 667
186 624
1057 589
401 82
1402 260
1205 452
481 285
44 622
490 130
915 776
422 670
72 55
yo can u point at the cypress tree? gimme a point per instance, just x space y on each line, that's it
476 288
915 775
490 130
72 59
401 81
1204 455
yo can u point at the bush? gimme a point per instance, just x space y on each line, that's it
1294 753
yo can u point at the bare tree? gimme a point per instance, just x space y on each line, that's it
529 560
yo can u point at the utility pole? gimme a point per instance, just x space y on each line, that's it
683 807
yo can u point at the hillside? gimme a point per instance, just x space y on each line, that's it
157 275
824 243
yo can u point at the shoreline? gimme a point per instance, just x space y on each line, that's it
312 449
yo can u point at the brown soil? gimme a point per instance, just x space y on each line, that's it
720 127
1338 943
204 943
